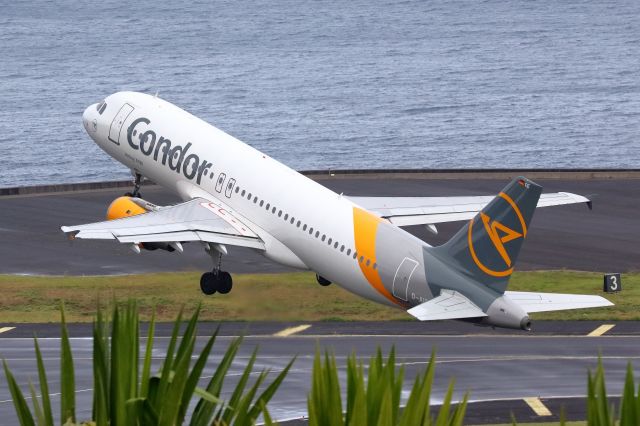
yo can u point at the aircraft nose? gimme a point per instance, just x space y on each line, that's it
89 118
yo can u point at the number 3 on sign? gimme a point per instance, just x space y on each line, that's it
614 283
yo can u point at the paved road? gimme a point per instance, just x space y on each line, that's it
605 239
498 368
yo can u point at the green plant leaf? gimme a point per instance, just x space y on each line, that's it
100 370
193 378
264 398
205 409
22 409
628 414
36 404
44 387
146 366
67 375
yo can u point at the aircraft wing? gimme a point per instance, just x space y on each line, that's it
405 211
543 302
194 220
449 305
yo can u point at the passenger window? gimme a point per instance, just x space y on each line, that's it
220 182
229 189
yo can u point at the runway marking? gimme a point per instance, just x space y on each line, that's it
51 395
5 329
292 330
601 330
537 406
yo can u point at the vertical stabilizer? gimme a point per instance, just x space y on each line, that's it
486 249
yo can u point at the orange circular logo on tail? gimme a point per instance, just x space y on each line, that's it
499 234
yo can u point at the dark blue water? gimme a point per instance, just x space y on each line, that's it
340 84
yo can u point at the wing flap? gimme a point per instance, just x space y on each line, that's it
449 305
545 302
406 211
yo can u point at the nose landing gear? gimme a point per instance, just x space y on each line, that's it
137 181
217 280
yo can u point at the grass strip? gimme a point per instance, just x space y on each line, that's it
266 297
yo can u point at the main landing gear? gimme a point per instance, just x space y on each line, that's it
216 280
219 281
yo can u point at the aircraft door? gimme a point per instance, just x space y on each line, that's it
118 121
402 278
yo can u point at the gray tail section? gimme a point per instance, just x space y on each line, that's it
486 249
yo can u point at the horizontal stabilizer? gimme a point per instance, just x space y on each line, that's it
449 305
544 302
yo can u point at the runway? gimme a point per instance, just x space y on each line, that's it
498 368
570 237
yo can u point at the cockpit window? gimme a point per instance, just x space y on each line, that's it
101 107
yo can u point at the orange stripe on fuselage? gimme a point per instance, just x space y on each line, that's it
365 227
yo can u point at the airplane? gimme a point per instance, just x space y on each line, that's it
235 195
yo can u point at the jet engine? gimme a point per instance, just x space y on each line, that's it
126 206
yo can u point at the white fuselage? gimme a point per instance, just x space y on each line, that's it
194 159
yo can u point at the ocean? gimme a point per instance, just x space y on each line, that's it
330 84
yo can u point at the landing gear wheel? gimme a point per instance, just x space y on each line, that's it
322 281
208 283
225 282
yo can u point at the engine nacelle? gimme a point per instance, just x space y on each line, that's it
126 206
123 207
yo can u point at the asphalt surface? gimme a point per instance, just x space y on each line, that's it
571 237
497 368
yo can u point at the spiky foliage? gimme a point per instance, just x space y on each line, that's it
124 395
600 412
374 398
